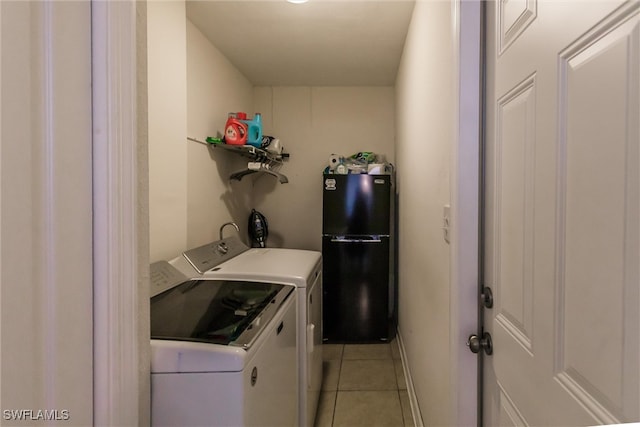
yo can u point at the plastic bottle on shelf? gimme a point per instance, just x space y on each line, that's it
235 131
254 130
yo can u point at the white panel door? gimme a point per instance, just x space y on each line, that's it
562 212
46 224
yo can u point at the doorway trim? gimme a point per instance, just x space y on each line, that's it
121 372
465 210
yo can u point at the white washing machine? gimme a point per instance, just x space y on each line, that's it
223 352
301 268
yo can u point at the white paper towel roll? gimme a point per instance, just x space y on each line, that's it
334 161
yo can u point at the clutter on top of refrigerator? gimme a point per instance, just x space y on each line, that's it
363 162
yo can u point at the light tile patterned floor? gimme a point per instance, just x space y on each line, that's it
363 385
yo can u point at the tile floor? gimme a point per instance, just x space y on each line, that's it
363 385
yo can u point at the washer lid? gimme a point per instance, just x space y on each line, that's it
216 311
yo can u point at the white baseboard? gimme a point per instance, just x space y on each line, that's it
413 400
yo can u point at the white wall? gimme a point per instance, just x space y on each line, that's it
192 87
214 88
424 136
167 115
312 123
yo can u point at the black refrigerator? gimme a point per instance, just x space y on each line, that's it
360 294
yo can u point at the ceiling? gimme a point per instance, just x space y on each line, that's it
319 43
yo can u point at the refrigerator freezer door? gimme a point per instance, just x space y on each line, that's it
356 204
356 290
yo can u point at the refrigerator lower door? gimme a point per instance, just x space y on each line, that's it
356 306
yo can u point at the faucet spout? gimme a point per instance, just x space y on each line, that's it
229 223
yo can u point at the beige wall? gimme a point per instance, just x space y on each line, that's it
424 123
191 87
312 123
167 115
214 88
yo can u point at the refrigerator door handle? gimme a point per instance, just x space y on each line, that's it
342 240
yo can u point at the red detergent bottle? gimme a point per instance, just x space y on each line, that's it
235 131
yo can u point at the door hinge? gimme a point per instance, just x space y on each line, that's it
486 297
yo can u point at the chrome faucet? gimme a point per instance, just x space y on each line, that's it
228 223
